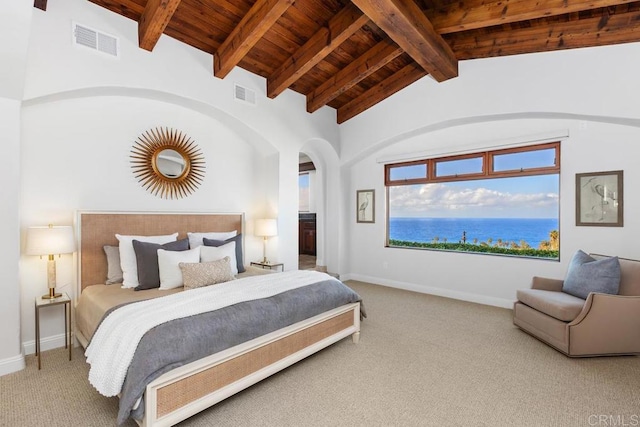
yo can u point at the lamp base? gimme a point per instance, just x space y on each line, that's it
264 251
52 294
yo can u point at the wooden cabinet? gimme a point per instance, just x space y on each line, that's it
307 235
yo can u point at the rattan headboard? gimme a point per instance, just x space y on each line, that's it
97 229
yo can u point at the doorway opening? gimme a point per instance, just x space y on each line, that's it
307 245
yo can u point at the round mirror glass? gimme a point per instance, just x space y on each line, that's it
170 163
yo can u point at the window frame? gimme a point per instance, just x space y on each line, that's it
487 173
487 166
459 177
405 181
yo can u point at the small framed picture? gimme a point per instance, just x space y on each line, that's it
599 199
365 206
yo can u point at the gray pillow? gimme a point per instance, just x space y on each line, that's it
238 240
147 260
586 275
114 271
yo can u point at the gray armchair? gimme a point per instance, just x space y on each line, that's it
601 325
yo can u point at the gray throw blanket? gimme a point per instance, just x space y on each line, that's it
182 341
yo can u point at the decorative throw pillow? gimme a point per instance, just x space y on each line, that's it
114 271
213 253
195 239
238 240
196 275
128 261
147 260
586 275
170 274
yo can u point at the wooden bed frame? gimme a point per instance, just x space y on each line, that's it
189 389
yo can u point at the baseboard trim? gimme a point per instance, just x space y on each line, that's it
48 343
11 365
430 290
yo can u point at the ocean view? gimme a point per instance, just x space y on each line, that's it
531 230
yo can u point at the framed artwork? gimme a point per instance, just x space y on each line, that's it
599 199
365 206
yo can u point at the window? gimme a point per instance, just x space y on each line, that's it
303 195
459 166
408 172
496 202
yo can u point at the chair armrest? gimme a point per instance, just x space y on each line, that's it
611 308
608 324
546 284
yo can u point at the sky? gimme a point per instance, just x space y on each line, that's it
303 200
525 197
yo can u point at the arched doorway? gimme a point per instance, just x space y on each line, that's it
307 212
326 203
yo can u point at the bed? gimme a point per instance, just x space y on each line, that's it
181 391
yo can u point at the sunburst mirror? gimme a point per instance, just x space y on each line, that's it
167 163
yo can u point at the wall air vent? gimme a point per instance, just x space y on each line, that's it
95 40
243 94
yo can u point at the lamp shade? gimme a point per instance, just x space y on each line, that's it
50 240
266 227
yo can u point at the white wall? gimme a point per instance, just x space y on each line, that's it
174 73
74 158
11 358
15 24
15 20
172 68
594 82
81 112
528 98
494 279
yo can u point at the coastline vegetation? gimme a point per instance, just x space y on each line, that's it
546 249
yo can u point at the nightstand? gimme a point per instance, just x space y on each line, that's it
64 300
269 265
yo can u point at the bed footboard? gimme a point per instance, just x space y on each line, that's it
189 389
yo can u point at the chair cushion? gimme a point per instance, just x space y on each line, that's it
559 305
629 275
586 275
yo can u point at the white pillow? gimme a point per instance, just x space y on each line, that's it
169 268
212 253
195 239
128 261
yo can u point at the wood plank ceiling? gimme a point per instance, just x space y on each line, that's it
350 55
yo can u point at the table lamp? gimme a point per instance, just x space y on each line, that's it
50 240
265 228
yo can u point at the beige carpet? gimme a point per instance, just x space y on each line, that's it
421 361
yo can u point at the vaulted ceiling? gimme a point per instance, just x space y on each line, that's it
350 55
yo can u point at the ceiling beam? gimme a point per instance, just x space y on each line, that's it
474 14
260 18
408 26
342 26
153 21
596 31
365 65
40 4
382 90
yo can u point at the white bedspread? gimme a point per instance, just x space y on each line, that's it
114 343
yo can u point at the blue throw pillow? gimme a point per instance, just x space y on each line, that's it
586 275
